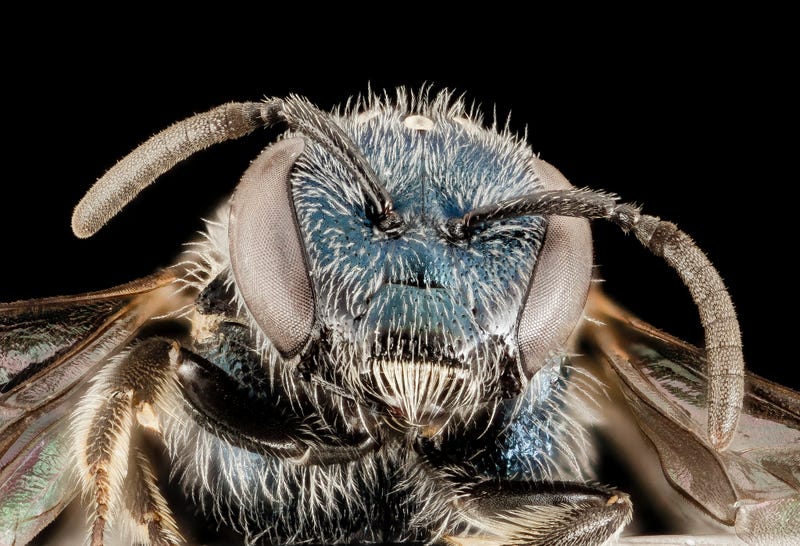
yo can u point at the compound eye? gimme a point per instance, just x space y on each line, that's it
559 283
267 255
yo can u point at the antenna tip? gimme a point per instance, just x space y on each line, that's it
83 226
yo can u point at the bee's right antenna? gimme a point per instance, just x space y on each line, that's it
722 336
140 168
114 190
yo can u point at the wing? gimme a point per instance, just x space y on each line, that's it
48 347
753 485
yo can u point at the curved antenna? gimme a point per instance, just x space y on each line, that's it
118 187
723 339
160 153
317 125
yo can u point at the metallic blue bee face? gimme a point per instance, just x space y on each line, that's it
418 322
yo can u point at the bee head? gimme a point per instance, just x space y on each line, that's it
342 249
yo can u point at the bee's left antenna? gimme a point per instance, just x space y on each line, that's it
161 152
664 239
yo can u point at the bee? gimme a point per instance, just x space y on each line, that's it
389 332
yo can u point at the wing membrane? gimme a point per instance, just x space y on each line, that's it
48 347
757 478
34 484
36 334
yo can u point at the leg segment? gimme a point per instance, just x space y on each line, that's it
534 513
123 394
149 515
262 425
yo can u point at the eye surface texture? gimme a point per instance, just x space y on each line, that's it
267 258
560 281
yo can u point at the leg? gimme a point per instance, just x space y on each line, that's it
534 513
124 393
262 425
148 516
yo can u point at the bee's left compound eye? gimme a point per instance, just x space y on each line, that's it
267 255
559 284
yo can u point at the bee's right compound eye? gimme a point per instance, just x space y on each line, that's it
559 283
267 255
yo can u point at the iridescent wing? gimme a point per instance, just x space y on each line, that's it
752 486
48 348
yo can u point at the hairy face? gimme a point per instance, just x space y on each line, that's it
418 324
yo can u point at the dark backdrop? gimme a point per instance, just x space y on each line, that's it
692 132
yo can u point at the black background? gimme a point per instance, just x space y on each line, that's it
696 122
